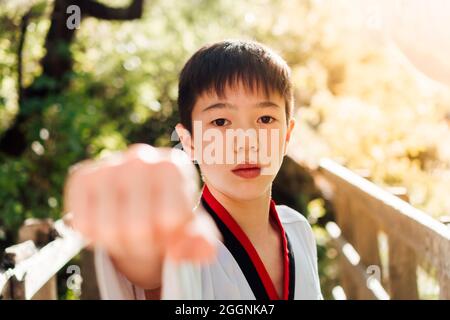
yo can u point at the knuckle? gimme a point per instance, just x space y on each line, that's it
166 166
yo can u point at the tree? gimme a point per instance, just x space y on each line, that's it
56 63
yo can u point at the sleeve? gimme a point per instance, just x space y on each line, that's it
112 284
180 281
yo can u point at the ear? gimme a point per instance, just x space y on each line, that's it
290 129
186 140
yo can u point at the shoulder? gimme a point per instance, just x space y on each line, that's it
304 248
297 227
288 215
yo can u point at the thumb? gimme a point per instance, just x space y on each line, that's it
197 241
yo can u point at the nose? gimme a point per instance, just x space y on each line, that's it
246 147
246 142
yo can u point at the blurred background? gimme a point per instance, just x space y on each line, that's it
67 94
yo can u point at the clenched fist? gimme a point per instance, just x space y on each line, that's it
139 206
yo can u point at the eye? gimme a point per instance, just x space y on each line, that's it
266 119
220 122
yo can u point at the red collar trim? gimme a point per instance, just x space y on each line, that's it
234 227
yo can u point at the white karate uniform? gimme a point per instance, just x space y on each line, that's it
224 278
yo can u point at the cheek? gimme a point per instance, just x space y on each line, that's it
272 151
283 138
216 175
211 149
275 141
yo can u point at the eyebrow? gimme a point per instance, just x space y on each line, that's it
222 105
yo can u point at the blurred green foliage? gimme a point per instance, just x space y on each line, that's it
355 102
122 90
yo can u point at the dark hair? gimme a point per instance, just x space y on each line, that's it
229 62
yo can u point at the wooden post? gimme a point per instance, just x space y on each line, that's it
13 289
344 220
444 286
17 288
89 288
48 291
402 263
41 232
366 239
6 291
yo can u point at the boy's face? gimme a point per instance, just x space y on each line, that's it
239 141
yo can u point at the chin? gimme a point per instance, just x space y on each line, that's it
246 189
248 195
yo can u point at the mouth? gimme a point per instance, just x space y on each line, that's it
247 171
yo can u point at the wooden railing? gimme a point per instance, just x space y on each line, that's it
44 248
364 211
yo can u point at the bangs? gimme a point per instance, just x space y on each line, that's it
230 67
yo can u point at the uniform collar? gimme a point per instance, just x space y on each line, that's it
245 253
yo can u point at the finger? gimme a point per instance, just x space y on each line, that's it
106 218
137 219
174 208
79 200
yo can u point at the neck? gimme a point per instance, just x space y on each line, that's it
251 215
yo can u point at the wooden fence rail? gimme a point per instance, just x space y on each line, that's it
363 211
33 271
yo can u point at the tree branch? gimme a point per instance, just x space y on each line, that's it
101 11
23 31
55 64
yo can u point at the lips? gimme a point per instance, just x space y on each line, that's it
247 171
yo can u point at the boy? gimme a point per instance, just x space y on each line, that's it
235 104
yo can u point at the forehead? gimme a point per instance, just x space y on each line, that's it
237 94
